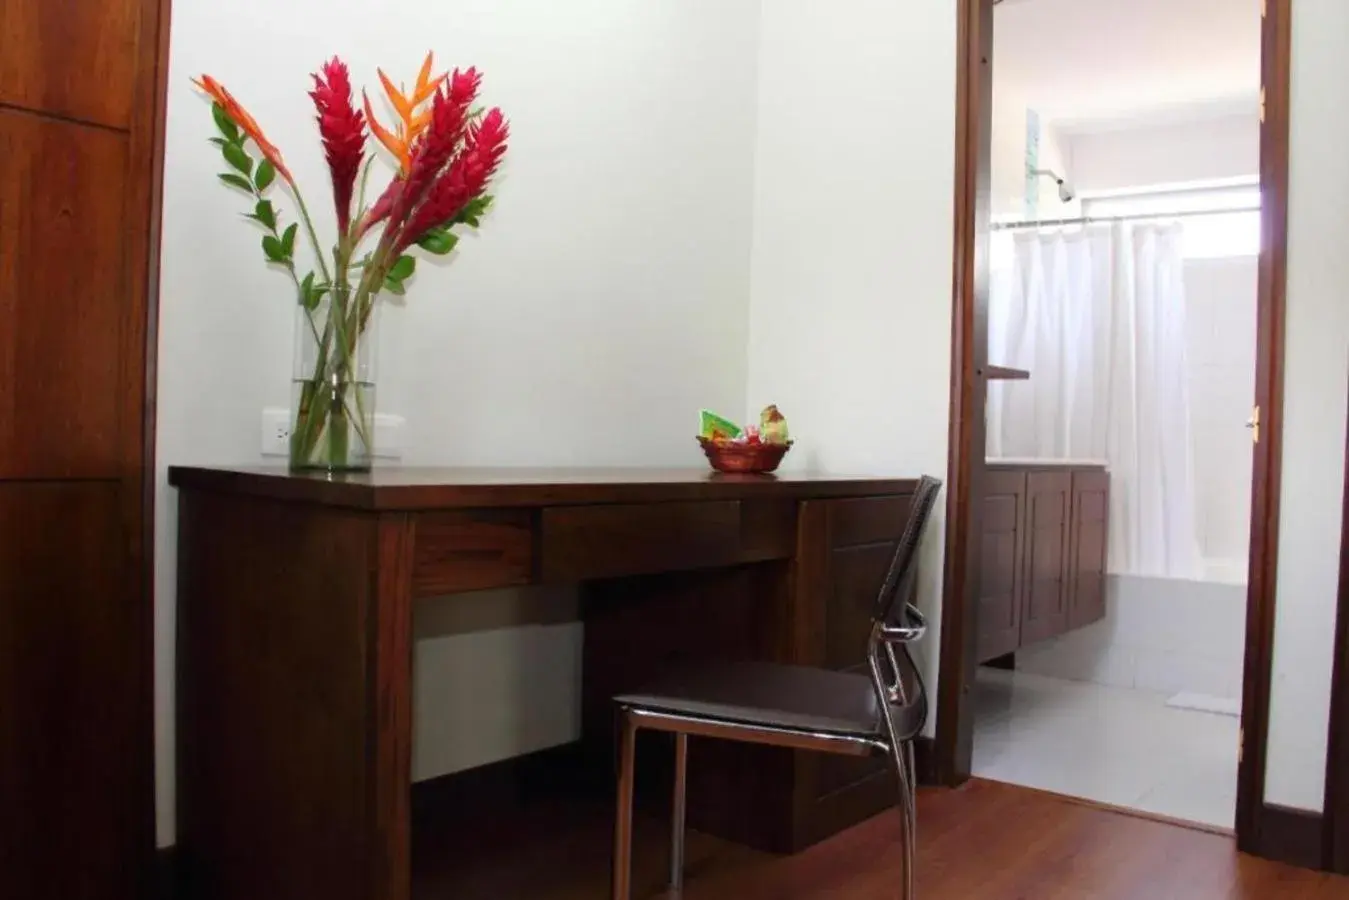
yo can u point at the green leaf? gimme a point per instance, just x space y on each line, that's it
236 156
473 211
224 122
438 241
307 290
265 214
265 175
288 240
402 268
236 181
395 287
273 249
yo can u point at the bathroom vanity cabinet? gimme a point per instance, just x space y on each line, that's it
1043 552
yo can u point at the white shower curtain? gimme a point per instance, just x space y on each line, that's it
1098 318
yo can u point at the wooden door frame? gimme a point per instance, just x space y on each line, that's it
1336 815
953 747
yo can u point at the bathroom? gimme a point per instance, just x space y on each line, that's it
1122 322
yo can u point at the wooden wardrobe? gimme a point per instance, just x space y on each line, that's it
81 113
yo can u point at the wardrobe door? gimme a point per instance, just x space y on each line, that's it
81 120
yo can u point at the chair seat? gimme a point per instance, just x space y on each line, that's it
768 694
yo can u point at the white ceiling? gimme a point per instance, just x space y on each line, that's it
1088 64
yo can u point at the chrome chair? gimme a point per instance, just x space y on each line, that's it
793 706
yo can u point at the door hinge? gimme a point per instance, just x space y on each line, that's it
1253 423
1264 8
1262 105
1241 744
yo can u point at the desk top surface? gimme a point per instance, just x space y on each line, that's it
398 488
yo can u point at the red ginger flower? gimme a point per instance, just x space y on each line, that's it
465 178
247 124
342 128
449 118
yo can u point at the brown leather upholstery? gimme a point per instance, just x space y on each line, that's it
775 696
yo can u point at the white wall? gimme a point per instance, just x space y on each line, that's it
1220 342
1316 372
604 302
1201 148
850 320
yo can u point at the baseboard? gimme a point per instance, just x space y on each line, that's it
1292 836
166 873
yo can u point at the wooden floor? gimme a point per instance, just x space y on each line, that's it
986 841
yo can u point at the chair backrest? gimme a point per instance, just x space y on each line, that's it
896 624
894 594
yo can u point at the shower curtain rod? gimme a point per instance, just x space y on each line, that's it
1096 220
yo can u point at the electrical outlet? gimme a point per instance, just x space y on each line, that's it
276 432
388 437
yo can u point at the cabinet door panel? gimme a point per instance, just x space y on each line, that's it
1044 613
1002 557
73 745
1091 505
74 59
63 298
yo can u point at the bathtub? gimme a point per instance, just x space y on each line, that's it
1169 635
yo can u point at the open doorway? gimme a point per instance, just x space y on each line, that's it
1116 319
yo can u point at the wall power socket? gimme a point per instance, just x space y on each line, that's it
276 434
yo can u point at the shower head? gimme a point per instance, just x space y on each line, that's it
1066 192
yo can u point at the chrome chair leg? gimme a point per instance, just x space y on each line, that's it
627 754
908 811
677 823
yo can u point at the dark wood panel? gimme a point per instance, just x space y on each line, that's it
856 575
1044 613
867 520
967 431
582 542
638 628
390 835
1336 802
767 530
416 488
1003 548
274 674
1088 548
71 731
75 59
472 550
63 297
1276 48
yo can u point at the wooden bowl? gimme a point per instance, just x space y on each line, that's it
749 459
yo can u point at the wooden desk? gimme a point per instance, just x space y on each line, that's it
295 604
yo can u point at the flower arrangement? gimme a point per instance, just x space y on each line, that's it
446 151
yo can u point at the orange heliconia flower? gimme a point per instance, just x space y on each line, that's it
247 124
411 123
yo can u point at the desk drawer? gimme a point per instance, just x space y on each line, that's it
581 542
472 550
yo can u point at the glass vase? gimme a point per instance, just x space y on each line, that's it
333 384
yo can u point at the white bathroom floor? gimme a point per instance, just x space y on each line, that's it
1119 746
